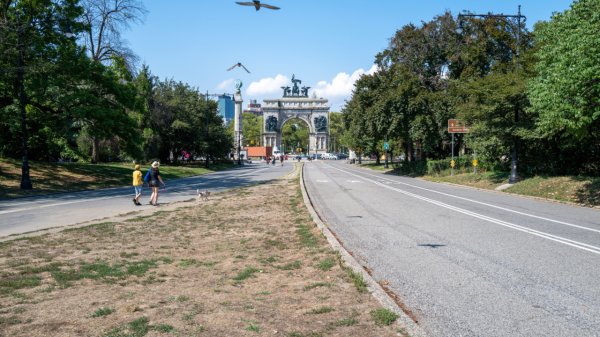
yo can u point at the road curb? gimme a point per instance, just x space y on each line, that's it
374 287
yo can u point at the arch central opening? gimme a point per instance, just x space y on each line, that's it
295 137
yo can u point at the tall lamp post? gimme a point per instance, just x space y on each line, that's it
237 100
514 176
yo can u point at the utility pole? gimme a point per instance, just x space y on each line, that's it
514 176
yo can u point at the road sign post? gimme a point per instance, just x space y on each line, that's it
456 126
386 147
452 162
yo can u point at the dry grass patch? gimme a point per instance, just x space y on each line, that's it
207 270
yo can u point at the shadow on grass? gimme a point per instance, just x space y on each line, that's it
497 177
65 177
589 194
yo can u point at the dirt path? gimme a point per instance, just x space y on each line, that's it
249 262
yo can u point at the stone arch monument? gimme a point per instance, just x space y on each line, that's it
295 103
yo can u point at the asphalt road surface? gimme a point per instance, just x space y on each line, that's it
35 213
467 262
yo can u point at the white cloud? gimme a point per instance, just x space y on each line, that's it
226 85
342 84
338 90
267 85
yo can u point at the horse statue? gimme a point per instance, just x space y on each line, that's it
305 91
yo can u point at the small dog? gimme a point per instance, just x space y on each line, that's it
202 195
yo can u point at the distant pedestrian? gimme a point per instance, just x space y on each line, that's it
155 182
267 160
273 161
281 160
137 185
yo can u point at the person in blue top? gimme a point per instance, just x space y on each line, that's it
155 182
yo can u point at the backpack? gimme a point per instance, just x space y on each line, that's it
147 176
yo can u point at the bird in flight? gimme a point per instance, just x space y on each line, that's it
239 64
256 4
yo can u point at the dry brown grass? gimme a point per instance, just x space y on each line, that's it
248 262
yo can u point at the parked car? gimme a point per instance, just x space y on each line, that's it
342 156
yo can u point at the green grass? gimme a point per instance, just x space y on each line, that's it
291 266
246 273
186 263
380 167
163 328
9 284
326 264
317 285
269 243
357 280
346 322
307 238
253 328
100 270
103 312
138 328
10 320
383 316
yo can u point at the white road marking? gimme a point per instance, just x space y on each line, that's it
556 238
494 206
354 181
322 181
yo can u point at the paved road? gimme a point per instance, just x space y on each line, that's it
467 262
35 213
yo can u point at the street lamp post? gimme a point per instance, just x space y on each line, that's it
514 176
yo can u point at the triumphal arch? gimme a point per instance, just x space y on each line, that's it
295 103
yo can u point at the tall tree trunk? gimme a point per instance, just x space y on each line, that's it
95 150
25 178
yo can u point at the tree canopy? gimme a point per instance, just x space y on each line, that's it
537 92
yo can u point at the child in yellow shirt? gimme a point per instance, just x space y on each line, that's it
137 185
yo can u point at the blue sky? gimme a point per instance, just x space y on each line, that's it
325 43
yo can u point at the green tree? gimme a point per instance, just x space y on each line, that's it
251 129
104 21
336 131
295 135
180 118
33 46
566 89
